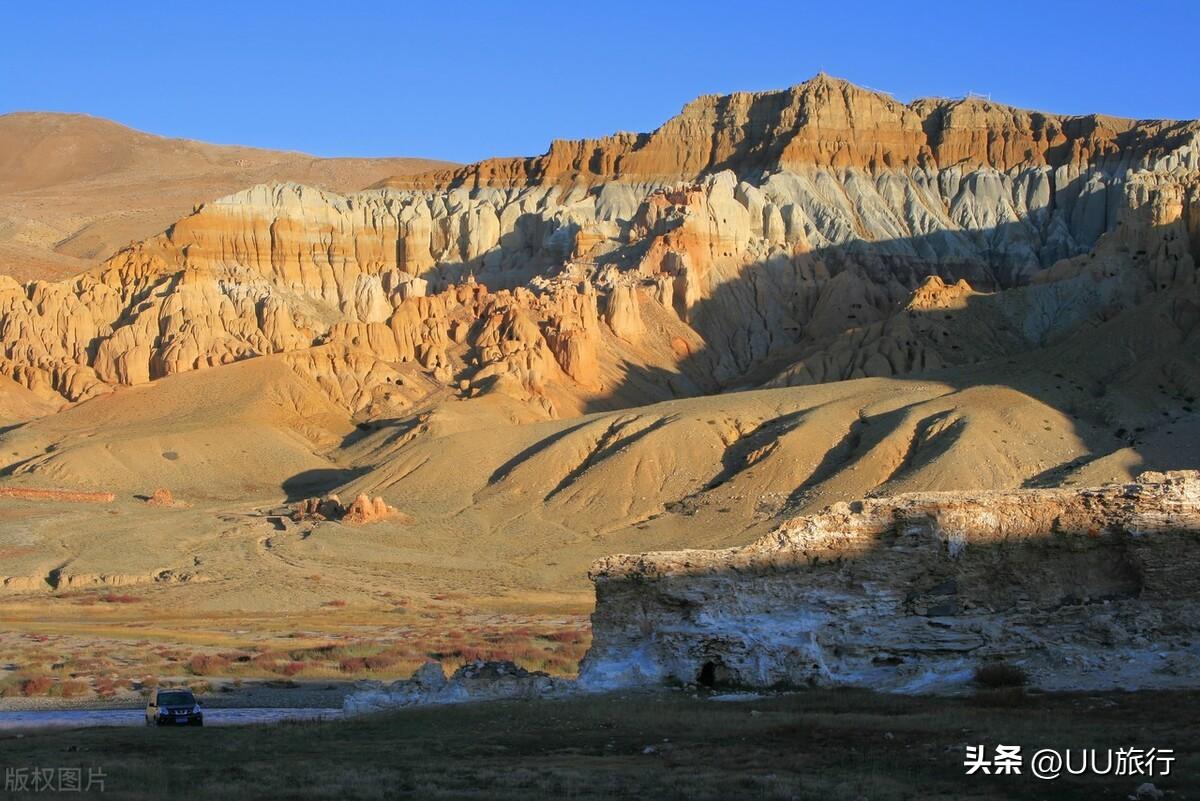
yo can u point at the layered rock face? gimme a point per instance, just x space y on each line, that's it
791 237
74 188
829 123
1083 589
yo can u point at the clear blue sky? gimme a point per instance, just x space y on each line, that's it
464 80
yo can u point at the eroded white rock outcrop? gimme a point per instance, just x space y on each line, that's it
477 681
1083 589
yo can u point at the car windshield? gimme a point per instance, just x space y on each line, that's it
176 699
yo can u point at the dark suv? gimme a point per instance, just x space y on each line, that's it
173 708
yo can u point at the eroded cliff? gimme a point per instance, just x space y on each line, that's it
1087 589
1015 266
785 238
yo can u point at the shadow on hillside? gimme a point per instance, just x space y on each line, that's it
821 316
311 483
776 324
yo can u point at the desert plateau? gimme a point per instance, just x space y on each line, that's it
812 444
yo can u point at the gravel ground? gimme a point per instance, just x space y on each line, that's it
306 694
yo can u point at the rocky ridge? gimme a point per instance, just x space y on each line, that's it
734 246
830 123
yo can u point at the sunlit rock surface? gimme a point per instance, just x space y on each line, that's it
773 238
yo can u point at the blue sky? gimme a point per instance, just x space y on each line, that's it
468 80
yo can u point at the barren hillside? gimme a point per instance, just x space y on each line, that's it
771 303
74 188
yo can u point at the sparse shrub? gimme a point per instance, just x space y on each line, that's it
327 651
36 686
265 662
88 665
353 664
1000 674
73 689
470 653
207 664
560 665
292 668
567 636
380 661
336 604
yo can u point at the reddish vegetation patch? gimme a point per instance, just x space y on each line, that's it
114 598
56 495
292 668
337 604
38 686
380 661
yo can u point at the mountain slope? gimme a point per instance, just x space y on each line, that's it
74 189
541 365
616 292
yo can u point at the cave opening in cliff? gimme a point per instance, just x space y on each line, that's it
712 674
